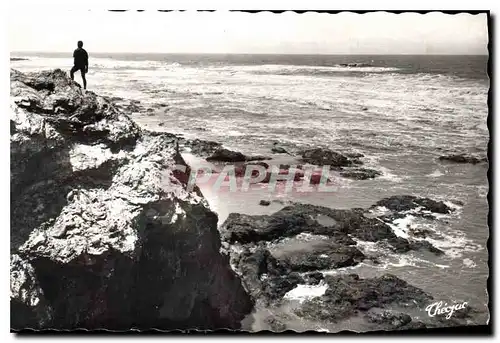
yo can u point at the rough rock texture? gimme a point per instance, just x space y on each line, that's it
226 155
324 257
345 163
103 232
391 320
202 148
360 173
400 203
348 294
321 157
296 245
462 158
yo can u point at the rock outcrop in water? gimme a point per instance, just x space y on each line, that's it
347 163
226 155
462 158
296 245
103 231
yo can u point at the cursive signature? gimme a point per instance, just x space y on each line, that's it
438 308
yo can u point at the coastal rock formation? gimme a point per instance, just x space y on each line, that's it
200 147
346 163
321 157
360 173
399 203
226 155
104 233
462 158
295 247
348 294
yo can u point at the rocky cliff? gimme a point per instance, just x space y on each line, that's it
103 231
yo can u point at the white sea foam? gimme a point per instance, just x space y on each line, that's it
469 263
436 173
452 241
305 292
401 226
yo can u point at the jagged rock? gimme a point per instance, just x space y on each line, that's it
298 218
287 222
388 320
104 233
275 324
27 299
417 245
420 232
322 157
462 158
360 173
265 277
400 203
323 257
226 155
202 148
313 278
348 294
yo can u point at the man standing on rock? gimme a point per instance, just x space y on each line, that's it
81 62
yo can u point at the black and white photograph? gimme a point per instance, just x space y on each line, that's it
250 171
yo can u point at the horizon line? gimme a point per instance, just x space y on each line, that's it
260 53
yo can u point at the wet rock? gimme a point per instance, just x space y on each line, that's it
265 277
388 320
360 173
298 218
274 324
104 233
347 295
462 158
275 287
391 320
278 149
323 157
264 203
245 228
287 222
425 245
313 278
402 245
226 155
257 158
400 203
421 233
201 147
323 257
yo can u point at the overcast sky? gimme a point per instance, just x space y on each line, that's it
235 32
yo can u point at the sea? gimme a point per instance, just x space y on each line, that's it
400 111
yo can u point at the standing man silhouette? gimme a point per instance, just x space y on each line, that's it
81 62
